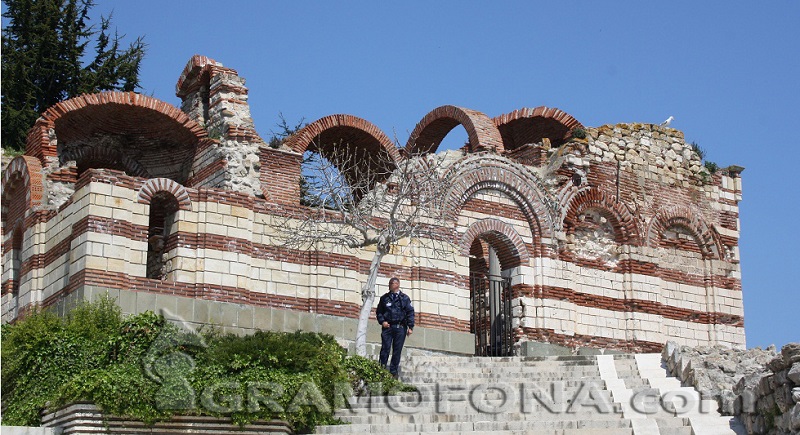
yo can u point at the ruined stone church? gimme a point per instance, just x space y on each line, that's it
564 238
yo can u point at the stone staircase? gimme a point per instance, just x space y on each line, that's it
559 395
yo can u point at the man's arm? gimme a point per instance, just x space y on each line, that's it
409 314
379 312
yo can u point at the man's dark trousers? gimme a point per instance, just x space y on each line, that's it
392 337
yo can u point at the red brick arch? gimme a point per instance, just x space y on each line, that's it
155 185
350 130
488 172
690 219
530 125
434 126
371 153
621 219
22 189
148 123
502 237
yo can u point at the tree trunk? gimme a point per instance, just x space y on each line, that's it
367 298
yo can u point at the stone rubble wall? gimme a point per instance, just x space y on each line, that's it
216 98
760 387
85 418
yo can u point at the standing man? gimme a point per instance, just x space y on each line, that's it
396 316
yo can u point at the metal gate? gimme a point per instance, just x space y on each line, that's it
491 315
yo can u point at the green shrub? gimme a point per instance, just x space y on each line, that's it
146 368
368 377
701 153
578 133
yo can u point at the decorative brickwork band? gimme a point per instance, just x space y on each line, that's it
22 189
529 126
685 217
429 132
617 213
502 237
155 185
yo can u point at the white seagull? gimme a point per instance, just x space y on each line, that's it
668 121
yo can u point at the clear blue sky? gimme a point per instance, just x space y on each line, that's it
729 71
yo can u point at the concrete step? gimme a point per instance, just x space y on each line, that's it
502 369
513 395
561 420
486 426
500 378
582 431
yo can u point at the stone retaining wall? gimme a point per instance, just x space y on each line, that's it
760 387
84 418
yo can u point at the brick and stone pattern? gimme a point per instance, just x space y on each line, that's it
617 240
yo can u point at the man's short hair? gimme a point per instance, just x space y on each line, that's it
393 279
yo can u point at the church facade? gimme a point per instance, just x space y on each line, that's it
561 237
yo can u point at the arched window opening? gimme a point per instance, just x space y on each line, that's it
321 182
456 139
337 175
163 207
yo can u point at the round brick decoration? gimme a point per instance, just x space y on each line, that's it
617 213
690 219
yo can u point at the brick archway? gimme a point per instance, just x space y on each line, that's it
354 145
158 136
685 217
623 222
431 130
351 130
22 190
155 185
530 125
482 172
510 248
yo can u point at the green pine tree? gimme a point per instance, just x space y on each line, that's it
45 60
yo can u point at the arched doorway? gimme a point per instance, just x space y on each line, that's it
490 300
496 258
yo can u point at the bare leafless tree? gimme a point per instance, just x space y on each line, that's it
361 199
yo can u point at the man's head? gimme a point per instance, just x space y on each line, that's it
394 284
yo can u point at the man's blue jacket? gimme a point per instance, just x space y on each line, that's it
396 310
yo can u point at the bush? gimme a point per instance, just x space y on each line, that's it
367 377
711 167
146 368
578 133
701 153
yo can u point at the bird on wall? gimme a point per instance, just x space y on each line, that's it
668 121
